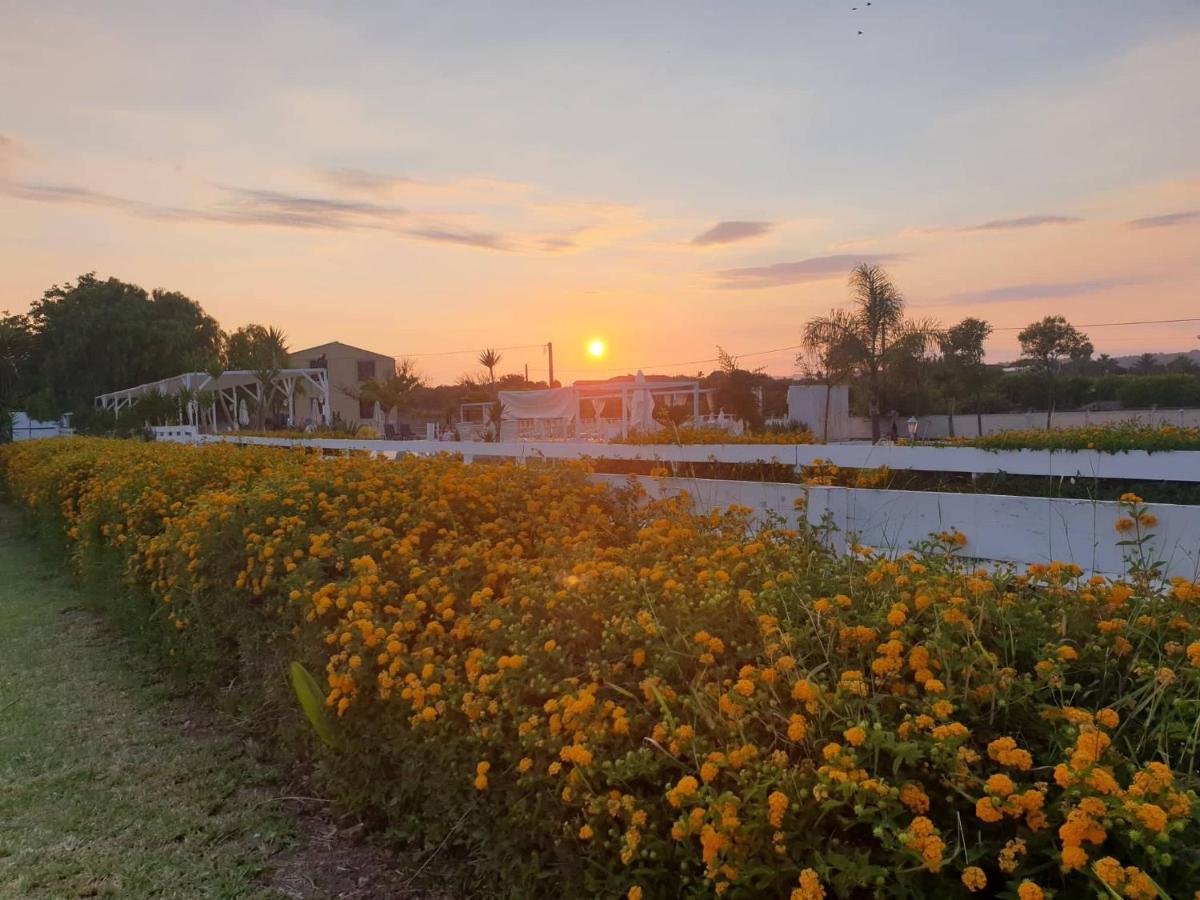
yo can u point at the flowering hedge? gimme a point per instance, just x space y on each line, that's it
1116 438
588 697
716 436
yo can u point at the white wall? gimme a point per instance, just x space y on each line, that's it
806 403
998 528
26 429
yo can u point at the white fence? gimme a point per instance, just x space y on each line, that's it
999 528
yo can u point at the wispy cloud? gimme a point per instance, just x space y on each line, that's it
816 268
730 232
265 207
1189 217
1037 291
1024 222
362 180
465 238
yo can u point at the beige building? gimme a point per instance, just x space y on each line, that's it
348 367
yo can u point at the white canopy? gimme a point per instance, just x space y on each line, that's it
555 403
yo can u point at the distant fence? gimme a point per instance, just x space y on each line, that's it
999 528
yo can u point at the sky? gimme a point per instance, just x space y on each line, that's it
425 179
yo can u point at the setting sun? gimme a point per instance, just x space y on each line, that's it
596 348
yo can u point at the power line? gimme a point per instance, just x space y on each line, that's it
1113 324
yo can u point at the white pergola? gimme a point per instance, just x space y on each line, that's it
623 391
226 391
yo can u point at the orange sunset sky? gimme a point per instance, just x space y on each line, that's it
424 178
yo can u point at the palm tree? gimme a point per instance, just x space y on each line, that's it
269 356
875 336
393 392
489 359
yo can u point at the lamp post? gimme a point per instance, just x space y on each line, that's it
912 428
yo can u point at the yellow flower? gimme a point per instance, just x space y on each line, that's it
974 878
809 887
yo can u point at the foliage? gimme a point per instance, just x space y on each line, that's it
588 697
736 391
962 370
718 436
394 391
1118 438
95 336
263 350
875 339
1047 345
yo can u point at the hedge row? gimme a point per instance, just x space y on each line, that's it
582 696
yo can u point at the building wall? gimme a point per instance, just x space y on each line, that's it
345 379
806 403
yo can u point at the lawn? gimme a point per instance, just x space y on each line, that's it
109 787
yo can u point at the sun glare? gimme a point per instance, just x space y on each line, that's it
596 348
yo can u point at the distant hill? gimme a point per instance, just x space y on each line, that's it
1128 362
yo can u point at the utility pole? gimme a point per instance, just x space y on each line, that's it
527 373
550 354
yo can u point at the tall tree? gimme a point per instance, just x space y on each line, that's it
1147 364
829 355
16 351
736 391
261 349
877 336
962 365
1048 344
95 336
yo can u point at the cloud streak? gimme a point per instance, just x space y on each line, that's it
265 207
262 207
1188 217
1024 222
731 232
816 268
1037 291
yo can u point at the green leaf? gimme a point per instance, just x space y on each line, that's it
312 701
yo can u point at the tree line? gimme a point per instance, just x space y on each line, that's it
913 365
97 335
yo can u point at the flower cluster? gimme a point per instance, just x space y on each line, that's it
1116 438
714 435
588 696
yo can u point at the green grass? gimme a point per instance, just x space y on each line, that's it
109 786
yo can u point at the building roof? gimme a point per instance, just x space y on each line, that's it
341 345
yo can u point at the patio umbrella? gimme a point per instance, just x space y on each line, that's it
641 409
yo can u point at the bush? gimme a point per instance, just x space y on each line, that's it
584 696
1117 438
719 436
